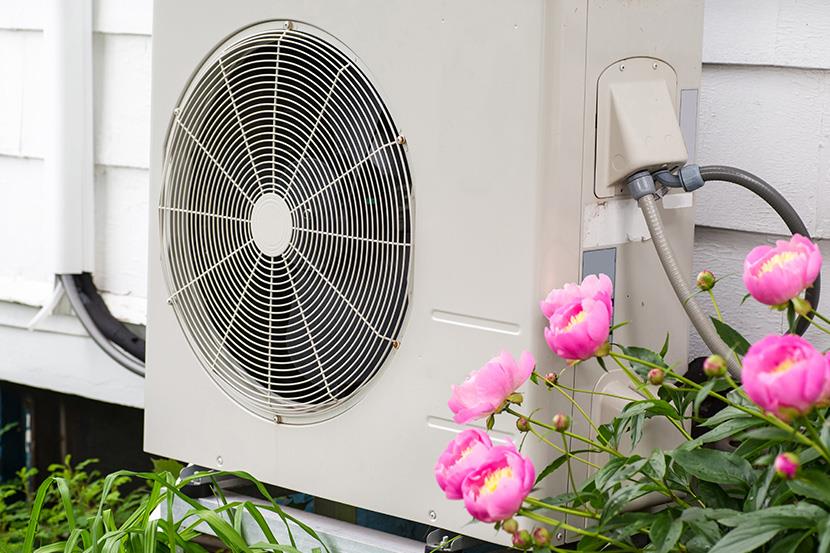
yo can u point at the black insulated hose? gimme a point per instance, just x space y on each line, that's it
110 334
777 202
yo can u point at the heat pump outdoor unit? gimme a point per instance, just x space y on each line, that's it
356 203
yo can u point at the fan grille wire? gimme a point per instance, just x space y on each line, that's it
286 115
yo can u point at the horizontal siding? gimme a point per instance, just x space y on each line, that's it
109 16
773 122
722 252
786 33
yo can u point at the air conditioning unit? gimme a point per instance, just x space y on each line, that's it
356 203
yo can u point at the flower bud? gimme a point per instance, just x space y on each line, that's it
551 379
511 526
522 540
786 465
561 422
714 366
522 424
541 537
656 376
705 280
603 350
802 306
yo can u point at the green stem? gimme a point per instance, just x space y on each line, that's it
818 326
771 419
562 451
820 316
815 436
617 356
566 433
567 510
578 407
715 305
576 530
570 469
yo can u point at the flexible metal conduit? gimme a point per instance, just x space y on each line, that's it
648 204
778 203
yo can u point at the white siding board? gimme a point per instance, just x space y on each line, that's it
109 16
24 247
767 121
723 252
121 197
790 33
122 100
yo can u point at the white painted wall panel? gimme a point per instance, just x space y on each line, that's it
20 95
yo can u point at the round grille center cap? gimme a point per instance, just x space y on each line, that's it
271 224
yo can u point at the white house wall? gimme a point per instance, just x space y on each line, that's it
764 106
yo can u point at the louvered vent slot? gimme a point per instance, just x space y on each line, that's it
286 223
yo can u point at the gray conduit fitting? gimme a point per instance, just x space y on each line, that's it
701 322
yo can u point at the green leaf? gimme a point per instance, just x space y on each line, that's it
645 355
650 407
824 537
812 484
790 543
743 539
701 395
771 433
604 474
722 431
665 349
665 532
657 465
798 515
623 497
558 462
715 466
731 337
724 415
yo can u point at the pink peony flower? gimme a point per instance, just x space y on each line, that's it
496 489
463 455
484 391
774 276
787 465
580 317
785 375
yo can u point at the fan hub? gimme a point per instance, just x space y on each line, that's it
271 224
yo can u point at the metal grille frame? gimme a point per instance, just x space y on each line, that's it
284 110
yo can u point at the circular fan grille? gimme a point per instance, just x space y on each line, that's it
286 222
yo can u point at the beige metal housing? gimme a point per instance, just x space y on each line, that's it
497 100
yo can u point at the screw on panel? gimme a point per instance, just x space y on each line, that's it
560 536
401 139
396 344
433 516
654 66
288 25
219 460
169 301
278 419
622 67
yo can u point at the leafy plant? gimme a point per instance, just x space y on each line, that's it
68 518
767 489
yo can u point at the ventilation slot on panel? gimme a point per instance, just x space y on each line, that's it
286 223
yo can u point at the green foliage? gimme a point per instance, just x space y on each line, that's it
77 510
718 492
81 482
